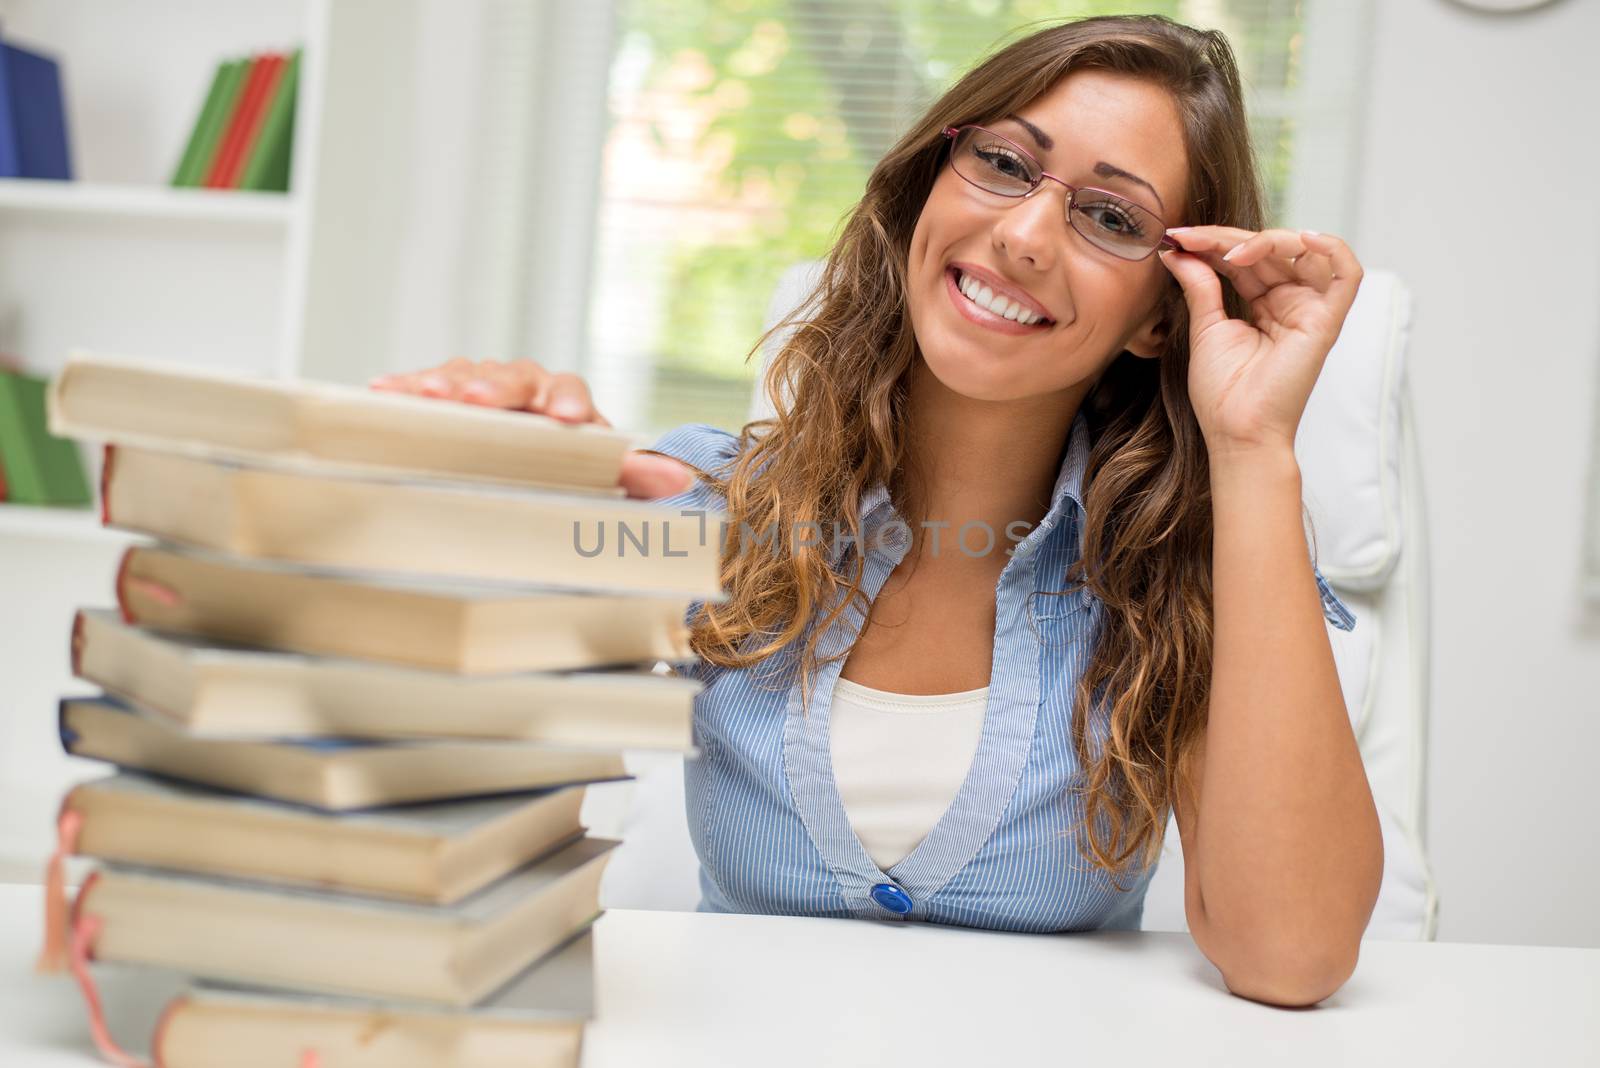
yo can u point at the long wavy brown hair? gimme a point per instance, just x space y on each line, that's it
840 382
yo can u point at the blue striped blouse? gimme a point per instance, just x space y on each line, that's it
763 807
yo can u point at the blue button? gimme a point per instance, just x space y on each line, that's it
892 898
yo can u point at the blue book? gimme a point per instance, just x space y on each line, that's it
33 119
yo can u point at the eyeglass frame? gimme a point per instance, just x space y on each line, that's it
1167 240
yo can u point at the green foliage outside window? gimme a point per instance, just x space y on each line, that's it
801 128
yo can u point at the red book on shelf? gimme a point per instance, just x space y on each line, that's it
257 119
249 97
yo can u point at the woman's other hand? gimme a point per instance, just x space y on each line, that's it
520 385
523 385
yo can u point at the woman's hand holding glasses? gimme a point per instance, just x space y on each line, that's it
1249 381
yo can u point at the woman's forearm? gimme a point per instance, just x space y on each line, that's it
1290 850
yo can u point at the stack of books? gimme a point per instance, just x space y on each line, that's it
354 690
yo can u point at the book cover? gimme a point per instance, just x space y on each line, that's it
300 938
333 774
534 1021
468 628
210 413
224 689
435 853
517 538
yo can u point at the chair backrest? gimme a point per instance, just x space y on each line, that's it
1358 458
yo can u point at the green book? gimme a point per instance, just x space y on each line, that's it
209 108
214 119
267 168
40 468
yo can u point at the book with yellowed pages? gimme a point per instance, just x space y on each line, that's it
271 935
471 629
411 528
534 1021
336 774
217 688
210 413
434 854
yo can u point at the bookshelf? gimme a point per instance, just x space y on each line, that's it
304 284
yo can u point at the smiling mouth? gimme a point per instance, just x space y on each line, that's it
971 292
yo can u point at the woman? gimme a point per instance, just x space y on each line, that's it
1052 458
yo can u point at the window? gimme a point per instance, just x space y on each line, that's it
741 133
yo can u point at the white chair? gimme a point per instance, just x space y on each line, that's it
1362 485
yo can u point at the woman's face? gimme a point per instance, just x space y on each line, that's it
1097 303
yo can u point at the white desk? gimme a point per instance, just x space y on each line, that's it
702 990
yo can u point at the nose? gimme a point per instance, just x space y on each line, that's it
1033 228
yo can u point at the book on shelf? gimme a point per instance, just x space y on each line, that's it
534 1021
281 936
258 81
266 164
40 468
33 116
434 853
335 774
225 174
475 629
215 415
218 107
210 687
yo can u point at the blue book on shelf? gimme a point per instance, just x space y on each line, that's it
33 116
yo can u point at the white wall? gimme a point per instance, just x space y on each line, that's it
1478 187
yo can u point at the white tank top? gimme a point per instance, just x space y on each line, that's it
899 760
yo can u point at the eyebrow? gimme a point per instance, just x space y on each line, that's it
1102 168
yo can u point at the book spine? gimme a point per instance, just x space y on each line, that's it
75 654
10 155
120 586
158 1038
213 100
268 169
265 101
230 139
105 484
233 80
38 114
69 737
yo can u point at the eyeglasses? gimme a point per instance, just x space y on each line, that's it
996 164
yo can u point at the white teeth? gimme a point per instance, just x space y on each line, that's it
985 297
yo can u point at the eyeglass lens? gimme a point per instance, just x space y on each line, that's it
998 165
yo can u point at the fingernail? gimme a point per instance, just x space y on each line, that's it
1229 254
437 382
1179 229
1311 233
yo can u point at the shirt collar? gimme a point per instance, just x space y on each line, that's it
877 509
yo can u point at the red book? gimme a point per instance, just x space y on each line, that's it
255 121
228 147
